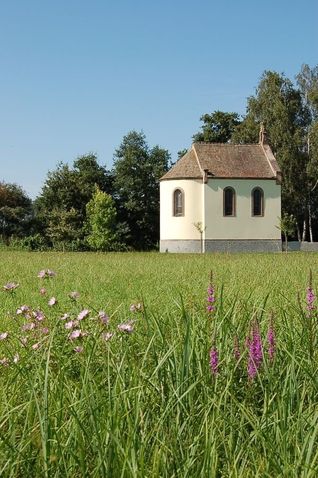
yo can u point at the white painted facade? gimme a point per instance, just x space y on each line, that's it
243 225
181 227
203 202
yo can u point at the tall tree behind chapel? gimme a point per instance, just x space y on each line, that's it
280 106
137 170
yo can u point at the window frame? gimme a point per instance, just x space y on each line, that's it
257 188
175 206
229 188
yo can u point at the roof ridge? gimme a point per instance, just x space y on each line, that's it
197 158
226 144
271 160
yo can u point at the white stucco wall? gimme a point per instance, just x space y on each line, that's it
243 225
181 227
209 197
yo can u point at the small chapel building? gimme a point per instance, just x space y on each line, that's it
222 197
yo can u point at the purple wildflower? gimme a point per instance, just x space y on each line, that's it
84 313
39 316
45 330
52 301
127 327
10 286
79 349
310 296
44 273
103 317
24 310
211 296
251 367
214 361
36 346
255 357
29 326
75 334
69 325
43 291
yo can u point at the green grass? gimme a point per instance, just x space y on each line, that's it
145 404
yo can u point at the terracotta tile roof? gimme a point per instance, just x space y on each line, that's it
226 161
186 168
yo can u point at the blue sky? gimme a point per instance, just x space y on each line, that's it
77 75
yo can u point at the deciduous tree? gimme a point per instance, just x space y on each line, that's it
62 229
15 211
307 81
218 127
68 190
278 104
137 170
101 221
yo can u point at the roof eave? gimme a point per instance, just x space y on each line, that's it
179 177
272 178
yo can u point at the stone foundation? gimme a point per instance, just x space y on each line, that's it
243 245
221 245
180 245
302 246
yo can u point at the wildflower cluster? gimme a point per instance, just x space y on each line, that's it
46 273
310 297
253 344
34 325
255 351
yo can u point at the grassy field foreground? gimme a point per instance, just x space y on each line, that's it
113 367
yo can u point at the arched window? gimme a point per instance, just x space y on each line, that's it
229 202
178 202
257 202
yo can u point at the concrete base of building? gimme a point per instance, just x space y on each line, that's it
221 245
301 246
176 245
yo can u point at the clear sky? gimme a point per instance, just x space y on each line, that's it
77 75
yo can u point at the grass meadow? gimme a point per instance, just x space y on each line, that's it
124 385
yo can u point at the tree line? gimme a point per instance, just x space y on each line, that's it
88 207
